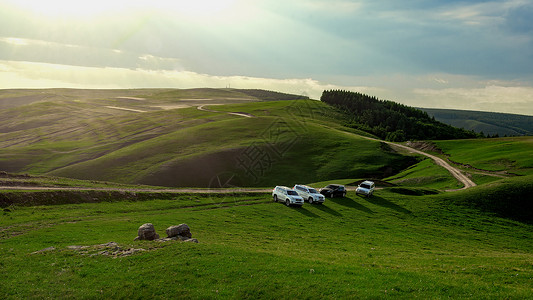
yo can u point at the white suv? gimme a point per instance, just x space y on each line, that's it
365 188
287 195
309 193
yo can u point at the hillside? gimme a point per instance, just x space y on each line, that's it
400 243
488 123
390 120
417 237
161 137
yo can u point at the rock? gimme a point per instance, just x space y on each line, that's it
167 239
75 247
147 232
191 241
44 250
179 230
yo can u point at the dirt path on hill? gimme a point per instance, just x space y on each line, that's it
169 190
467 182
456 173
241 114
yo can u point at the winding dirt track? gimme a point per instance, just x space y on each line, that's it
456 173
240 114
467 182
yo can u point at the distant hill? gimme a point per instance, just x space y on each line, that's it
189 138
489 123
266 95
390 120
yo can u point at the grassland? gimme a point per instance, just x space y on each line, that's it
391 245
81 137
409 240
512 155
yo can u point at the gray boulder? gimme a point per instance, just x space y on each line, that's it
147 232
181 230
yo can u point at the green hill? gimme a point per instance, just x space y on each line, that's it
399 243
489 123
410 240
160 137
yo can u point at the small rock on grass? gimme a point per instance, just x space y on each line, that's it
147 232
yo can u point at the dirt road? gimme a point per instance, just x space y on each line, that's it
169 190
467 182
456 173
240 114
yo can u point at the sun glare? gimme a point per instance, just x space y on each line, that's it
69 8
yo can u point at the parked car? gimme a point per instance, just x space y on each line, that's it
365 188
309 193
287 195
333 190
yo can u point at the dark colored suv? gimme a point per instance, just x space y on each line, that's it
333 190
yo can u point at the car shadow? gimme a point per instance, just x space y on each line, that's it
304 211
327 209
386 203
348 202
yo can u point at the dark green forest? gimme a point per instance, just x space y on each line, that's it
390 120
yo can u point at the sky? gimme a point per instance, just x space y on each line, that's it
474 55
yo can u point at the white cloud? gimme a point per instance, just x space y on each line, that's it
42 75
496 98
431 90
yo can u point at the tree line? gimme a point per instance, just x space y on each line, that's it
390 120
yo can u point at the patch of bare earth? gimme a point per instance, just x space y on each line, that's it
424 146
110 249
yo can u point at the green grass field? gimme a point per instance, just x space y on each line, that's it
512 155
391 245
412 239
425 174
77 136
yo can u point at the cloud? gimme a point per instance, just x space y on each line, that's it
496 98
422 53
42 75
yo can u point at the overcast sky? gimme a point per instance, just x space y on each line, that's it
447 54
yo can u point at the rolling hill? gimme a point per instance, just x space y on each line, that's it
489 123
413 239
161 137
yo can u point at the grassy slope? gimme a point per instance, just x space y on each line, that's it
425 174
395 244
81 138
514 155
390 245
209 149
484 160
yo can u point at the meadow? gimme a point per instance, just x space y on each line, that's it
81 137
508 155
392 244
413 238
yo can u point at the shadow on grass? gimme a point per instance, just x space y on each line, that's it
386 203
328 210
348 202
304 211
